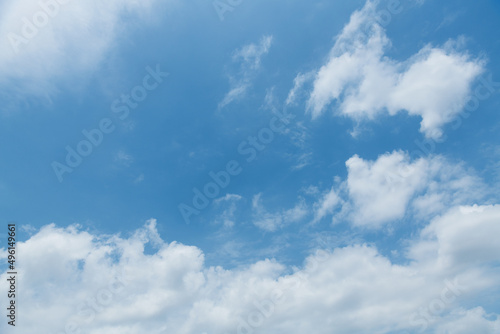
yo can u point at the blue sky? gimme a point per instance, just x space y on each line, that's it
391 140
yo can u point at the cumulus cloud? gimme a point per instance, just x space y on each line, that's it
45 40
249 59
434 84
378 198
387 189
460 238
74 279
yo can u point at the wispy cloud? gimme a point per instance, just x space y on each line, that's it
139 179
326 205
272 222
123 158
249 60
228 204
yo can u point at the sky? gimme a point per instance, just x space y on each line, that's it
235 166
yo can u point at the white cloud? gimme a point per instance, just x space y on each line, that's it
380 190
228 198
228 202
326 205
460 238
470 321
250 55
271 222
433 84
392 186
123 158
139 179
234 94
302 161
249 58
108 284
298 84
75 39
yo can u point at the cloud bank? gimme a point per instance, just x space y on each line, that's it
75 280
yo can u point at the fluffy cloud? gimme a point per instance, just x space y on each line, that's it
45 40
433 84
460 238
249 58
387 189
109 284
377 197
